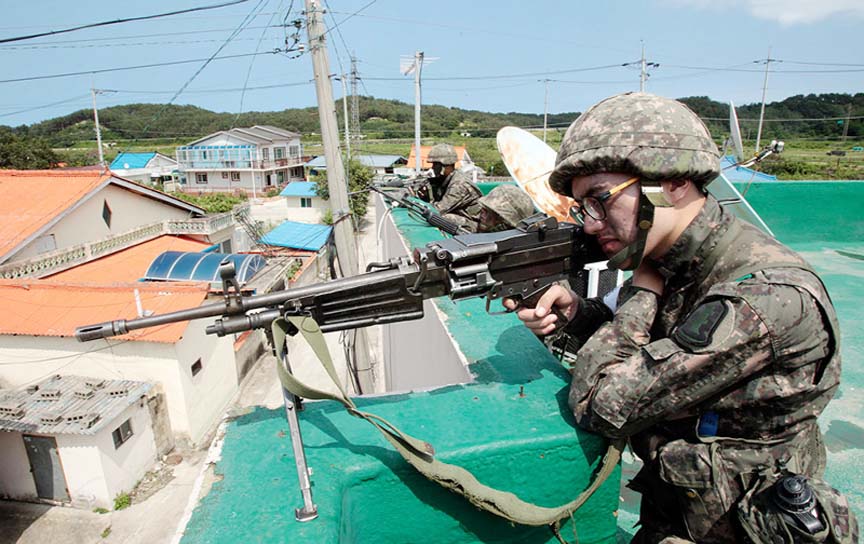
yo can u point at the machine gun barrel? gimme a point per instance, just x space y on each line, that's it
431 217
519 264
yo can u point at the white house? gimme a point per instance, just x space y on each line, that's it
196 372
380 164
303 202
253 159
74 439
150 168
43 211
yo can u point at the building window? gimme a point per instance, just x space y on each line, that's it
278 152
294 150
122 433
204 154
235 176
265 153
201 177
106 213
280 177
305 202
196 367
224 175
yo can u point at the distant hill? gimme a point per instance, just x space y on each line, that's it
382 118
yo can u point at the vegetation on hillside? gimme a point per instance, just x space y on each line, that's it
812 125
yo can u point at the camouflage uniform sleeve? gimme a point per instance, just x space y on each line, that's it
460 193
592 314
624 382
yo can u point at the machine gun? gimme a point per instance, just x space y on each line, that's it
428 214
521 264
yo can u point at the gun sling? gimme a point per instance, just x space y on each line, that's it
421 455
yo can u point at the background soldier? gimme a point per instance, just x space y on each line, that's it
723 348
452 193
503 208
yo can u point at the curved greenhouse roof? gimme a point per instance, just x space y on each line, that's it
184 266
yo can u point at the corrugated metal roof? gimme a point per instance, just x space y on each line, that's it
53 308
374 161
126 160
130 264
298 236
299 188
68 404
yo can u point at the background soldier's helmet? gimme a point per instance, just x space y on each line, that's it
641 134
443 153
509 202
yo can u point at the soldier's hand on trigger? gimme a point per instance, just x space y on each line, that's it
541 320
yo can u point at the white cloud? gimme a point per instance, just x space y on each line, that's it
786 12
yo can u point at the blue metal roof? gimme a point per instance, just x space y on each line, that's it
126 160
183 266
298 236
740 174
299 188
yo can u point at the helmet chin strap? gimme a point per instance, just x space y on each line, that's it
635 251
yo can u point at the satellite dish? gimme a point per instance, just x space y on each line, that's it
735 133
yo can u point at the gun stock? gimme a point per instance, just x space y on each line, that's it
518 264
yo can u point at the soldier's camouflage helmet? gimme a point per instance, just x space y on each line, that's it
641 134
443 153
509 202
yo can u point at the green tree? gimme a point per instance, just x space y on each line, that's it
360 179
24 153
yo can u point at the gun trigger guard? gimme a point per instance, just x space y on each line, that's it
505 311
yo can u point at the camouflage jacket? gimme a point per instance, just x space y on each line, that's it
457 195
716 380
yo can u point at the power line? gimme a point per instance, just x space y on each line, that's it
79 97
118 21
510 76
137 67
131 37
336 26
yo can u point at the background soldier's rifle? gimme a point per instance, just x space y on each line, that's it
428 214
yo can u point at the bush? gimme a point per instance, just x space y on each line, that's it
361 178
121 501
213 202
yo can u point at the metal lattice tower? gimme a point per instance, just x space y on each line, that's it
355 106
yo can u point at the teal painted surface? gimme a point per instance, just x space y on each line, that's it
512 428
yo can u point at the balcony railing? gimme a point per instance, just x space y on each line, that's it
245 164
62 259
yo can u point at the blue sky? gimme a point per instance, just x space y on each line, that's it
491 56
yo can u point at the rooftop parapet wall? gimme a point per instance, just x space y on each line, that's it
511 426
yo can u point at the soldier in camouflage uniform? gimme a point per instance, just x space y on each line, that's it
449 190
724 345
502 209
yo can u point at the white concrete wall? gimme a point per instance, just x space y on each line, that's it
95 471
85 224
403 369
16 482
215 181
192 407
209 392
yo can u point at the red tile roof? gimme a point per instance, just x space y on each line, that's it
53 308
31 199
130 264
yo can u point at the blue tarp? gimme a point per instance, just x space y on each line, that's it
298 236
299 188
739 174
126 161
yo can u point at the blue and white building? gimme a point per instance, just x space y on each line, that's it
254 159
151 168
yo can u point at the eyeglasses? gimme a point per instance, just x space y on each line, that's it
593 205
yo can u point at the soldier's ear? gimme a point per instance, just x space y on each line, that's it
676 190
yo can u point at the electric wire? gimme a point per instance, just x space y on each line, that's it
118 21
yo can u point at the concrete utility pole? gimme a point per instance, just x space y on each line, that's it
545 109
346 247
355 103
94 92
762 111
345 116
848 118
643 72
418 67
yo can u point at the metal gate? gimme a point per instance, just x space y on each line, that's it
46 468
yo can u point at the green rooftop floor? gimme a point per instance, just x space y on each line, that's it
525 443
